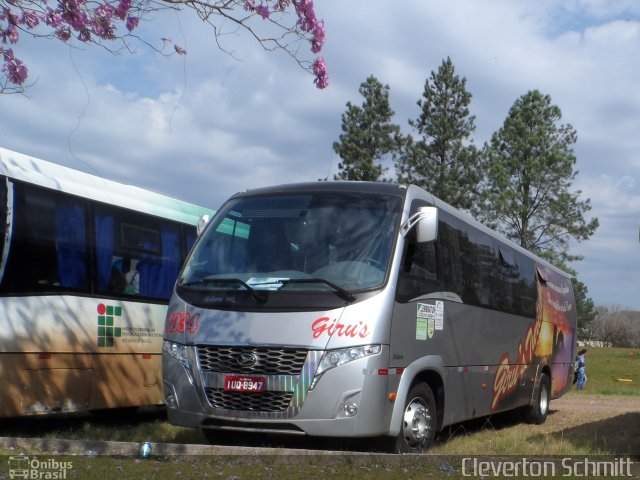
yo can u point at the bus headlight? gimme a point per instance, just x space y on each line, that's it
179 353
335 358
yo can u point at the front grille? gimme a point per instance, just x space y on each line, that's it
253 402
271 361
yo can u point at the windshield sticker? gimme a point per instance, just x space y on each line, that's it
267 283
325 325
421 329
429 319
439 318
431 327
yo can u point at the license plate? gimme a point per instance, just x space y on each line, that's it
237 383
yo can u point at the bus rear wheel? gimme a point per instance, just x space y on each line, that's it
537 413
418 429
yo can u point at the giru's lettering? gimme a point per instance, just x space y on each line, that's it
326 325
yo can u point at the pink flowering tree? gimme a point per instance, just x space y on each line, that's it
289 25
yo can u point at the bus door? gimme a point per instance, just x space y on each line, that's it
421 330
431 324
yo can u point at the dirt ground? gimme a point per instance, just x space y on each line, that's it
574 408
612 423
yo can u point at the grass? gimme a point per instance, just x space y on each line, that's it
238 468
605 368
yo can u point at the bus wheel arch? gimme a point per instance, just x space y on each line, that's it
422 414
537 412
435 383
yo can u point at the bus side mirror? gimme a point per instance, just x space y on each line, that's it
427 228
202 223
425 221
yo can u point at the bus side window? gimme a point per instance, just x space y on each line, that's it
49 243
136 256
71 245
419 273
457 255
109 267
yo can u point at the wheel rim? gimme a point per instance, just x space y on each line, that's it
417 423
544 398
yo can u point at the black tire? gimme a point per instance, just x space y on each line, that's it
537 413
418 429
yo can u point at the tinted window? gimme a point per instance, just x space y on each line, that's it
471 264
136 255
457 258
64 243
49 250
419 273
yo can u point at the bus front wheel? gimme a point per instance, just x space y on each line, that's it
418 429
537 413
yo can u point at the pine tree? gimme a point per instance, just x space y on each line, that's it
369 136
585 309
443 160
529 166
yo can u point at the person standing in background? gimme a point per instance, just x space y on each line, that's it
581 369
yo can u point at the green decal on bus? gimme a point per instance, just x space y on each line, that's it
107 331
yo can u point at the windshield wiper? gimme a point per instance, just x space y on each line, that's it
256 295
341 292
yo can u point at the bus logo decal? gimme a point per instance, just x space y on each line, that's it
107 330
330 327
247 359
509 374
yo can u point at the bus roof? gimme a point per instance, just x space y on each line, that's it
57 177
381 188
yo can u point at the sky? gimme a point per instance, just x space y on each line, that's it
204 126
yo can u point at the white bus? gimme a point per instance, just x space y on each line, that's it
87 267
348 309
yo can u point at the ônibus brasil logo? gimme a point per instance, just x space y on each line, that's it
33 467
107 331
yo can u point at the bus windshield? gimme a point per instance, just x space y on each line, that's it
337 242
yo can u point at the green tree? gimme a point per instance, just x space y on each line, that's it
586 311
529 167
369 136
585 308
443 160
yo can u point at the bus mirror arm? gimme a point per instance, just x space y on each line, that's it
426 222
202 223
